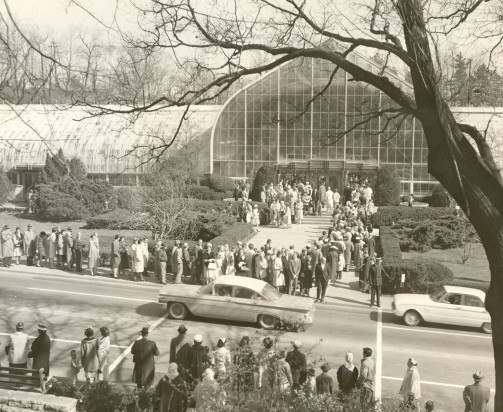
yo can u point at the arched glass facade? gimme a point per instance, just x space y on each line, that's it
290 117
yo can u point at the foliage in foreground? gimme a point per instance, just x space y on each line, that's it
389 215
387 187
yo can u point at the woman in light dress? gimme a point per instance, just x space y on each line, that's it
274 213
221 359
138 263
219 260
230 268
299 212
94 255
287 220
278 280
210 266
255 220
103 351
17 239
263 265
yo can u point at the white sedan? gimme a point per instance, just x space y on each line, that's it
238 298
452 305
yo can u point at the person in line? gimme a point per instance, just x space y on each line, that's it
255 219
94 255
115 257
144 351
333 263
138 262
324 382
103 352
18 241
477 395
7 246
366 378
347 375
41 350
144 248
39 248
124 265
294 267
321 275
298 365
375 276
186 263
17 349
171 394
28 245
89 355
78 248
411 386
163 261
68 249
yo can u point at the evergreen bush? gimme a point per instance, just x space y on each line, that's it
440 197
387 187
265 175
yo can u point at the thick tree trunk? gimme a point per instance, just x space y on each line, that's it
477 187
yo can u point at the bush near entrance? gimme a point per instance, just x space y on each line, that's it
440 197
389 215
219 183
387 187
265 175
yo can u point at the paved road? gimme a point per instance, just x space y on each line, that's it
68 303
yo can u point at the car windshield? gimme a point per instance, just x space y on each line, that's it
206 289
270 293
438 294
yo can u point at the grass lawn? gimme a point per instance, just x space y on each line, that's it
105 236
475 269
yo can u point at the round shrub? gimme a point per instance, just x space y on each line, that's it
220 183
387 187
265 175
440 197
51 204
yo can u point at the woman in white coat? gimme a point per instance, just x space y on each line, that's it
138 263
94 255
103 351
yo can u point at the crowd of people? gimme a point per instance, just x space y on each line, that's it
198 374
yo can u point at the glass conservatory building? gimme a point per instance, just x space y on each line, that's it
283 119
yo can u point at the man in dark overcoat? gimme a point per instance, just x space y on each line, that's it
298 365
333 262
198 359
143 352
375 275
115 257
41 350
321 273
179 350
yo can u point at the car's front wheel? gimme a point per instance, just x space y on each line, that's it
177 311
267 322
412 318
487 328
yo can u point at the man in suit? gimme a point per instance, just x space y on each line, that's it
315 255
294 265
321 274
198 273
115 257
179 351
476 396
186 260
366 378
298 365
375 281
143 352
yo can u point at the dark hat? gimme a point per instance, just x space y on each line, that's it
182 329
311 372
69 229
19 326
144 331
325 367
42 327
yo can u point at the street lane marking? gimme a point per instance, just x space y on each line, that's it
378 371
64 340
94 295
438 332
441 354
448 385
121 357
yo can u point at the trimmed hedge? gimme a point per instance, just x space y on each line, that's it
420 277
387 187
237 232
220 183
388 215
205 193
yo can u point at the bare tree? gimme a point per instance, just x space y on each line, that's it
225 43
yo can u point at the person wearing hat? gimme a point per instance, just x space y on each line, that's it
367 378
171 393
477 395
255 218
324 382
197 359
375 276
411 386
6 246
429 406
28 246
41 350
309 386
298 365
144 350
333 263
68 252
221 358
321 273
179 350
89 354
17 349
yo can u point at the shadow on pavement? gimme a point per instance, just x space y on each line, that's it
347 300
151 309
